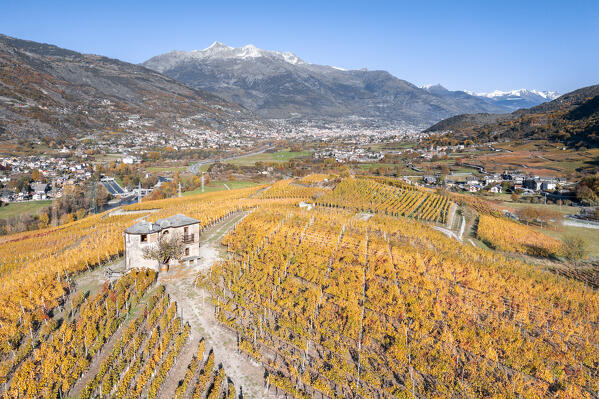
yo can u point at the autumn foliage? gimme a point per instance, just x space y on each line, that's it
510 236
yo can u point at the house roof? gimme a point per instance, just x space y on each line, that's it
38 187
145 227
177 220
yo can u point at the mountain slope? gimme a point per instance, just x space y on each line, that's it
508 101
572 119
282 86
49 91
517 99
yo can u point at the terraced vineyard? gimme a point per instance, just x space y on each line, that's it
38 270
336 307
316 178
328 303
288 189
396 200
507 235
148 341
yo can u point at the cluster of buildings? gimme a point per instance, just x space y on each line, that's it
352 154
51 175
495 183
359 131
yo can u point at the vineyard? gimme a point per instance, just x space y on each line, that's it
336 307
398 199
316 178
506 235
480 205
327 302
152 338
288 189
37 269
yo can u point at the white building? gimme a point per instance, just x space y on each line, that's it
548 185
145 234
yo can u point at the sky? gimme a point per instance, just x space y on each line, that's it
479 45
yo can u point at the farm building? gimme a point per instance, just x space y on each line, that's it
146 234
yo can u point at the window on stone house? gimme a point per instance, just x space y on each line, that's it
186 251
144 237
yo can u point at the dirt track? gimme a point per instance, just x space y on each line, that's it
194 306
196 309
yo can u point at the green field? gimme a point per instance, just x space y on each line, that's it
220 186
589 235
566 210
274 157
23 208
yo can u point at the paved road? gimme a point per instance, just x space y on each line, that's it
569 221
195 168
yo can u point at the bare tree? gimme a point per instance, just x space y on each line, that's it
167 247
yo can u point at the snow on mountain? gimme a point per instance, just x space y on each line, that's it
517 99
508 100
431 86
547 95
280 85
220 51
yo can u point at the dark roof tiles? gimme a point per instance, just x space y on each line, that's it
145 227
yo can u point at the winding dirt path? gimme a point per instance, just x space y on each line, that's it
195 308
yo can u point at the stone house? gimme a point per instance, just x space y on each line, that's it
145 234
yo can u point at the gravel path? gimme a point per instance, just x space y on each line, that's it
195 307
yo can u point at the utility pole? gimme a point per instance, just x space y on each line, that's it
139 193
93 204
179 189
54 210
202 181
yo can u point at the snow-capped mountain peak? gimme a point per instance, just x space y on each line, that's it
218 50
433 85
520 93
516 99
216 46
434 88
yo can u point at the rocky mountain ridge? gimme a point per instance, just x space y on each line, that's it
280 85
46 90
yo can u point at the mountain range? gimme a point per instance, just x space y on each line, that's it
572 119
508 100
49 91
277 85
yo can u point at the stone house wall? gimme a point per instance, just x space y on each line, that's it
134 246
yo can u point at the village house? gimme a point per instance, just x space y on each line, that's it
39 191
145 234
430 179
474 188
472 180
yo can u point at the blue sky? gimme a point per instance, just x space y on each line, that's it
475 45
